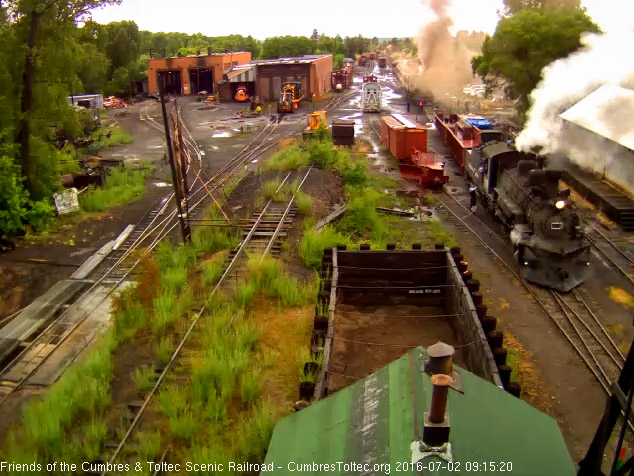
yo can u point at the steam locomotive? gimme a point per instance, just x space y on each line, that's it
547 235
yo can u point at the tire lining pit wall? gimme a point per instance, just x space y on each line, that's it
425 279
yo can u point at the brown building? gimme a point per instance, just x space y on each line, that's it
313 71
192 74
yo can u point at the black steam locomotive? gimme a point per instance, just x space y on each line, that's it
549 242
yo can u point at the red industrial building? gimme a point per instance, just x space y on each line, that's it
312 71
192 74
223 73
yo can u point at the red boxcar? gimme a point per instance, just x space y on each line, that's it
402 135
460 136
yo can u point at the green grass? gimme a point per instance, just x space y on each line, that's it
211 273
250 388
167 257
144 377
304 203
174 279
255 432
121 186
166 312
82 390
267 276
291 158
183 426
147 445
246 335
129 319
245 294
269 188
164 349
94 435
311 248
118 136
210 239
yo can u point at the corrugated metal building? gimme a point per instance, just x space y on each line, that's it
192 74
379 421
600 134
314 71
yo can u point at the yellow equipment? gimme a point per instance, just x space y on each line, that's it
241 94
315 119
291 95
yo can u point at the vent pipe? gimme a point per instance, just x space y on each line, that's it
440 359
436 428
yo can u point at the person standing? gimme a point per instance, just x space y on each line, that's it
472 197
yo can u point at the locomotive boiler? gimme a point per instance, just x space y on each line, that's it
549 243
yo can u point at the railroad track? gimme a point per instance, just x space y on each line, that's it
149 231
607 248
569 311
267 228
153 227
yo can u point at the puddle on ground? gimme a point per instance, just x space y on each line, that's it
161 184
220 135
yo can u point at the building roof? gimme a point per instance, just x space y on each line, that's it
293 60
399 121
229 53
245 72
608 112
376 420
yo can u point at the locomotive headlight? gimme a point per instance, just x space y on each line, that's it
560 204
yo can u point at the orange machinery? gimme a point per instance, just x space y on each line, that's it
292 94
241 93
315 120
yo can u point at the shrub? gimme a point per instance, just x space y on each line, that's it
354 173
16 209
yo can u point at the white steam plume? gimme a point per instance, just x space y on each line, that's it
604 59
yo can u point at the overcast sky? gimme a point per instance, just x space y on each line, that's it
380 18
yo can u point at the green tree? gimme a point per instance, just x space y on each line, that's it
513 6
523 44
36 22
280 46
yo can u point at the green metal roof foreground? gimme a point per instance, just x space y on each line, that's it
375 421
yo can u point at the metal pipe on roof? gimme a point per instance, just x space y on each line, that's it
441 384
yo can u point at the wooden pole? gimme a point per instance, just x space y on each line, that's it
177 189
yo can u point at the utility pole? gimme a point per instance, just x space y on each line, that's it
182 218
